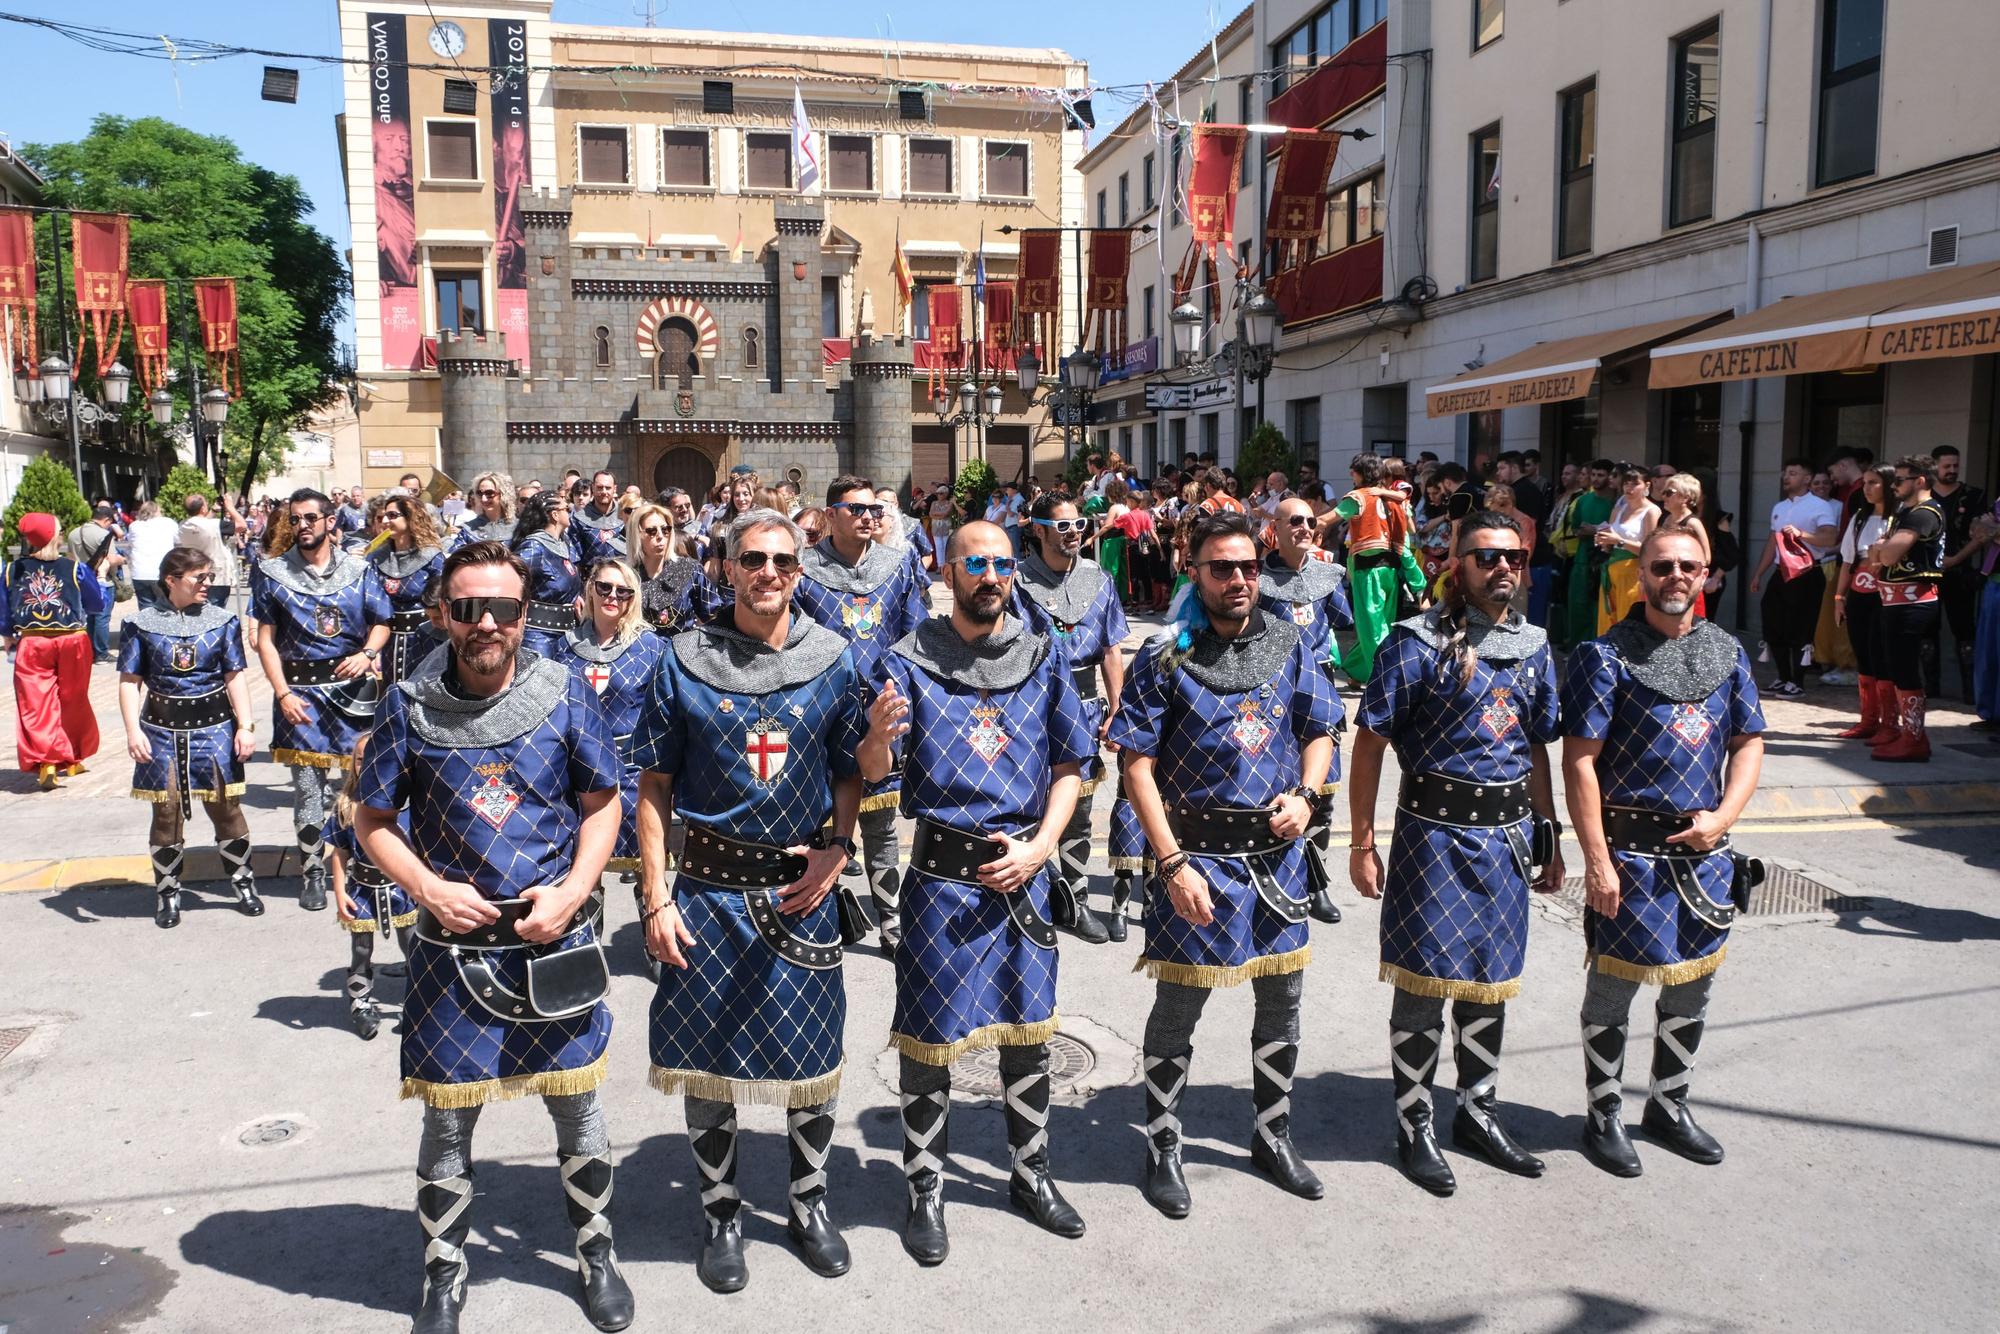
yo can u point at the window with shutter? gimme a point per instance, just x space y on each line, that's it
1006 169
767 161
850 162
684 158
930 166
451 151
601 155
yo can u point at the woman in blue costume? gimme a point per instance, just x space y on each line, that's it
554 582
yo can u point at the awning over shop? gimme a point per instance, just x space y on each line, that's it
1552 372
1951 313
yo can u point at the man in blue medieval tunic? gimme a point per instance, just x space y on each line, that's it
744 724
1467 695
1662 747
1058 592
323 618
1228 732
1305 585
993 737
509 774
872 594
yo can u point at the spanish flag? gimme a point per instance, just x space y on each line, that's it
905 285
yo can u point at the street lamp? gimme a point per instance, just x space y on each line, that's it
1260 320
1027 372
994 397
161 402
215 407
117 385
1083 372
1186 319
55 379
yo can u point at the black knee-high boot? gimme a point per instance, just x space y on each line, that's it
1030 1187
1271 1147
1413 1058
721 1267
1164 1184
1604 1139
312 868
362 1016
810 1130
1115 925
926 1141
586 1183
441 1209
1477 1031
1667 1119
167 860
236 861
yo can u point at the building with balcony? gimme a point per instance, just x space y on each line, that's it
600 256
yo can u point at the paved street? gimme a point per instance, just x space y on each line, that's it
1844 1069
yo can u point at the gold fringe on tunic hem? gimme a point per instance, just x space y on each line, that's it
547 1084
1215 975
1660 975
1446 988
979 1039
790 1094
230 792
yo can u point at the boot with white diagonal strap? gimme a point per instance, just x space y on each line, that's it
1604 1139
1031 1188
1413 1058
1478 1030
810 1130
721 1267
1667 1119
441 1209
1164 1184
926 1141
1271 1147
1069 887
586 1182
167 860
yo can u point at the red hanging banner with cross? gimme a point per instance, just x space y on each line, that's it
1039 299
215 304
146 303
1298 197
999 349
947 342
17 287
1105 296
99 246
1215 171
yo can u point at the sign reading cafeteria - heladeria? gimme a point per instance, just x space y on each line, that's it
1557 387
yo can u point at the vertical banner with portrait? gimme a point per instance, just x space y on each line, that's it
395 190
513 174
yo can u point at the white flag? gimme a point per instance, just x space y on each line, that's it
805 158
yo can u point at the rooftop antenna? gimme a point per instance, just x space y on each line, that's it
649 11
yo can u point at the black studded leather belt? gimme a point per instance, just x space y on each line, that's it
759 870
1456 801
951 854
1241 833
1636 830
185 713
1084 678
551 615
403 622
500 934
318 672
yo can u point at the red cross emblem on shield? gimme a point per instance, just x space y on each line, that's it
598 675
765 746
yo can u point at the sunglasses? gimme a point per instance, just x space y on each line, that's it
307 520
1066 525
608 592
394 514
1298 520
1488 557
205 577
784 562
1660 569
1222 571
977 566
488 494
654 530
860 511
471 611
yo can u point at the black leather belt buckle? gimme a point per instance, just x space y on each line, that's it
950 854
185 713
1456 801
1630 829
721 860
1224 831
319 672
1084 678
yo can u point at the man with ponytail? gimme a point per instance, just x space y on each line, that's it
1467 695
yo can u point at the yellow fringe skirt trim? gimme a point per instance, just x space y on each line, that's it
361 926
1131 863
1213 975
790 1094
1662 975
1445 988
979 1039
548 1084
881 801
230 792
310 759
1088 786
626 864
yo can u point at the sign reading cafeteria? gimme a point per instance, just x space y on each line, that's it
1511 393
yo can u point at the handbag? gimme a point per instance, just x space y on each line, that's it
855 923
561 984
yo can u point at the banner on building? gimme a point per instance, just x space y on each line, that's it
1105 290
17 287
401 320
999 350
1298 197
947 342
1215 171
1039 298
513 176
215 306
146 304
100 246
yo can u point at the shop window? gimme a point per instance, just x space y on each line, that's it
1850 88
1575 191
1697 94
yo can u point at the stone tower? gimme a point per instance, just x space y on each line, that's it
473 374
881 371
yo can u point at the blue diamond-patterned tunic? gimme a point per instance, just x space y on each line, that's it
1664 756
1084 642
620 686
503 818
554 578
373 892
1238 749
1455 901
742 1023
1317 619
318 627
966 976
411 636
183 666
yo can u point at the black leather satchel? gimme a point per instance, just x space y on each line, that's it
855 923
1748 874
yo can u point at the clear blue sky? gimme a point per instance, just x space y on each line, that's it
55 87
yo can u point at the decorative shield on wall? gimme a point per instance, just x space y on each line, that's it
684 403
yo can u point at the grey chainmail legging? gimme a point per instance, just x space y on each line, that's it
1607 1000
1177 1008
918 1077
446 1148
311 789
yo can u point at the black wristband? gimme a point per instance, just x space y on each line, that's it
841 841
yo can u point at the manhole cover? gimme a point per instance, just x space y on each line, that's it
1070 1061
264 1134
1785 892
11 1038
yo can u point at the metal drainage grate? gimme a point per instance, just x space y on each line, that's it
1784 893
11 1038
1070 1061
267 1133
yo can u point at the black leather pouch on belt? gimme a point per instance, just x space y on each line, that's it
561 981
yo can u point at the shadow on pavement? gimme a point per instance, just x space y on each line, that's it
1578 1312
1901 920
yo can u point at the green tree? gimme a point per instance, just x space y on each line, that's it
975 482
47 487
1265 452
185 480
201 210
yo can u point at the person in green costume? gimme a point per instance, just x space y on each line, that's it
1378 558
1587 513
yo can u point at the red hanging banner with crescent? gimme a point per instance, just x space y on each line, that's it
1215 170
146 303
1039 302
947 343
1298 197
17 287
100 243
1104 293
215 303
999 350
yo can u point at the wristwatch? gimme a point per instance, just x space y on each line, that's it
1299 790
841 841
